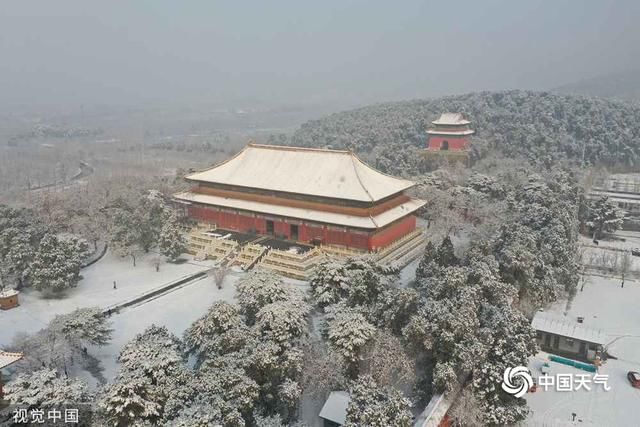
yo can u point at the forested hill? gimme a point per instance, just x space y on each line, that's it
538 125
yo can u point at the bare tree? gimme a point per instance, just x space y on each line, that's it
387 362
582 268
219 274
624 266
466 410
323 373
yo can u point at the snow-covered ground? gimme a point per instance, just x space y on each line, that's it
95 289
175 310
626 241
616 311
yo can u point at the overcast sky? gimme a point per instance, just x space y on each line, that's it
60 52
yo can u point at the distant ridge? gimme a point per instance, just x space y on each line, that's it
624 86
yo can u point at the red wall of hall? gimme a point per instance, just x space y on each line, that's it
435 142
394 232
332 235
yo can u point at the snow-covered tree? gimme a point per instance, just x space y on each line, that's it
348 333
394 309
368 280
523 265
329 282
172 242
603 215
46 388
323 372
387 362
150 212
238 391
289 393
469 325
486 184
260 288
86 325
425 261
512 343
466 410
130 399
124 233
445 253
20 233
153 382
56 266
283 321
135 225
268 421
221 318
201 412
19 257
358 280
374 406
156 352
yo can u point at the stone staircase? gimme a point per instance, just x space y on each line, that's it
204 246
296 266
403 250
249 255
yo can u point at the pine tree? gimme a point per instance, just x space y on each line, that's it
260 288
124 233
153 382
172 242
445 255
56 266
86 325
221 318
357 281
45 388
329 282
428 257
604 216
374 406
348 333
283 321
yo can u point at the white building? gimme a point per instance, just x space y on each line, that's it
564 337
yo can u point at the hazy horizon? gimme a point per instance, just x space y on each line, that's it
69 54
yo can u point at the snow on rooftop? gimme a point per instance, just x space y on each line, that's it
567 328
6 293
318 172
456 119
450 132
615 196
7 358
607 306
335 408
367 222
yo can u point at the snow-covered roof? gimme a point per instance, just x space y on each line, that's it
325 173
6 293
456 119
7 358
615 196
335 408
367 222
571 329
450 132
